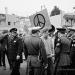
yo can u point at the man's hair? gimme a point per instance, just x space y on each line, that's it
52 29
34 31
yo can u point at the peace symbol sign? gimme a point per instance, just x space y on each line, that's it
39 20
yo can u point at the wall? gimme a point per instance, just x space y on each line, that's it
57 21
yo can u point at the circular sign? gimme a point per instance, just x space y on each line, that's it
39 20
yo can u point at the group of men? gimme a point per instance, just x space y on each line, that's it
65 51
46 54
34 48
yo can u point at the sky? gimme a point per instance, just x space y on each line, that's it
29 7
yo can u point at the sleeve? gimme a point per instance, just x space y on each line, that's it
52 47
55 41
43 52
25 50
58 46
20 47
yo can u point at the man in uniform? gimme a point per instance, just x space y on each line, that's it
72 47
3 48
63 59
14 51
34 52
0 55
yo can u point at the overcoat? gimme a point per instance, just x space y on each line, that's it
14 48
64 50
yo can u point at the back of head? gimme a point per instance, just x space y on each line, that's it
34 30
52 29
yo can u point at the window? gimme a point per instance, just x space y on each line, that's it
9 23
14 23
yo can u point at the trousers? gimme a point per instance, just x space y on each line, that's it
33 66
15 68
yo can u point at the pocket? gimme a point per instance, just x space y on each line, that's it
35 62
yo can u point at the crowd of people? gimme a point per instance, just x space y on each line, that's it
46 52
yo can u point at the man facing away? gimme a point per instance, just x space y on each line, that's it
34 52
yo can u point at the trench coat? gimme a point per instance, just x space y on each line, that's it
13 48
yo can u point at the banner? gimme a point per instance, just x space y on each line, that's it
40 19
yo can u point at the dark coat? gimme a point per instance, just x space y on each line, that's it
72 51
35 53
57 46
14 48
64 52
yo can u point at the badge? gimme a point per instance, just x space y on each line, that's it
14 41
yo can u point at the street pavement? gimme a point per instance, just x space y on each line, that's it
8 71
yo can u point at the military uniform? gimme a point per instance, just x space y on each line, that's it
72 53
2 53
64 53
34 52
57 46
14 49
4 50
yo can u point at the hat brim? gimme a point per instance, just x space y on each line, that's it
61 29
13 30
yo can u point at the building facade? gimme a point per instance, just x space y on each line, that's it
8 21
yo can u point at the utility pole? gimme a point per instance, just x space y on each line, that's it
43 7
6 12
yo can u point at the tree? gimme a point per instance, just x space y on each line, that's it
55 11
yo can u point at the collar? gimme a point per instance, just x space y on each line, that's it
34 35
